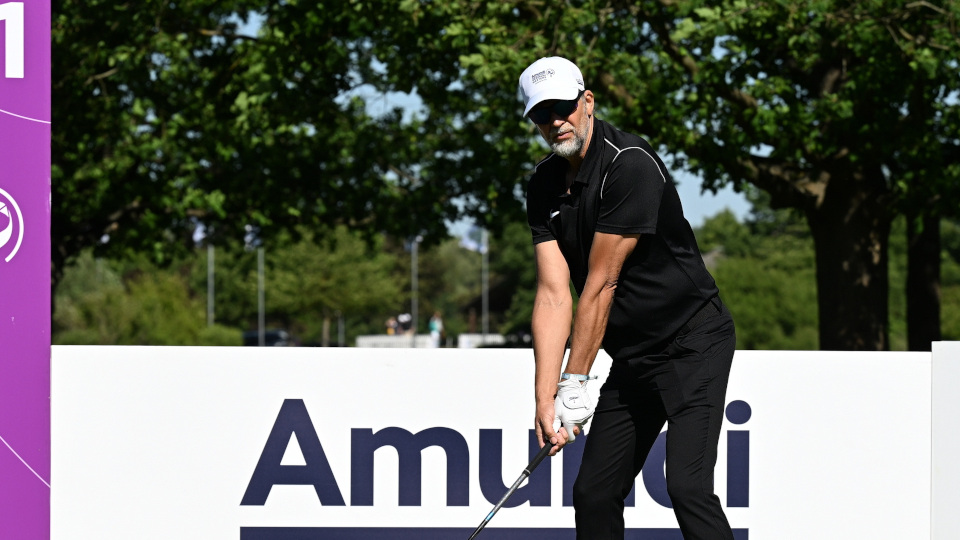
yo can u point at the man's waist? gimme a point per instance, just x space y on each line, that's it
651 328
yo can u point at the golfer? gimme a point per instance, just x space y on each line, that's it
605 215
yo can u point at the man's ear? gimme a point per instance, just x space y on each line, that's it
588 99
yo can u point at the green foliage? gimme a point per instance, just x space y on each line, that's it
769 283
841 110
722 233
449 282
950 239
773 308
220 335
169 119
950 318
766 277
766 273
234 284
128 304
764 268
950 281
514 260
898 278
320 277
309 282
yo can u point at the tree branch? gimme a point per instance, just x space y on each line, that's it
619 91
99 76
672 49
923 3
788 186
689 63
230 35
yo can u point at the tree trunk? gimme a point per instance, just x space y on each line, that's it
325 339
923 281
851 230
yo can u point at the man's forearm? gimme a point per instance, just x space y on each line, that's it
589 326
607 255
551 328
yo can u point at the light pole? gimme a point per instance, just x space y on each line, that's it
210 285
414 298
484 287
261 315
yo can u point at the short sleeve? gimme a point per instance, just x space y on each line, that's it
538 211
631 193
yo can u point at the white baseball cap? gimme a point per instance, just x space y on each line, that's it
549 78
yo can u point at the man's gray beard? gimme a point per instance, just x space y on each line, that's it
569 148
572 147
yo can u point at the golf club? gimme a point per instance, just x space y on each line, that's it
523 476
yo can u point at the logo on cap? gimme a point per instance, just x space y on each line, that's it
542 76
11 220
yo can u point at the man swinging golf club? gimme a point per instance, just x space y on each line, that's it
605 214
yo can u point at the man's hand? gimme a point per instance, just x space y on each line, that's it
574 407
546 432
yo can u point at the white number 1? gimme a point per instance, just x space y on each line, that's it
12 13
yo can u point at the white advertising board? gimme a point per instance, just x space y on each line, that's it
341 443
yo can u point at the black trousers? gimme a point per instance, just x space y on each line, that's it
684 386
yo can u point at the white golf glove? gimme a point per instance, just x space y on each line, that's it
573 405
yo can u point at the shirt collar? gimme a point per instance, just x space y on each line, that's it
591 162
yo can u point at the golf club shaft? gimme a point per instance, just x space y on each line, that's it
523 476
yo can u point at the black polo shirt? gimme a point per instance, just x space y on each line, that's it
623 188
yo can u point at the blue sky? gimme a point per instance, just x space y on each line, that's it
697 206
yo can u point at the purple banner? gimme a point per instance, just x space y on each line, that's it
25 269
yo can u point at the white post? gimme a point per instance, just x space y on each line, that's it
945 447
484 287
414 286
261 314
210 285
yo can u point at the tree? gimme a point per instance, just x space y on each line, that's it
816 103
310 280
764 268
320 277
104 302
512 260
139 100
449 278
168 119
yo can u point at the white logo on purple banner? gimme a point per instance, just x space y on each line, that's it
13 53
11 221
11 16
